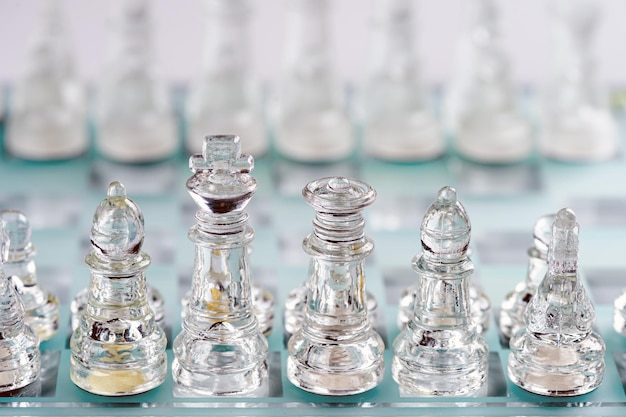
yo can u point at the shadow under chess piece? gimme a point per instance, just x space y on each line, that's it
557 354
515 302
480 107
441 352
310 123
118 348
48 118
41 307
20 359
221 350
226 98
397 124
336 351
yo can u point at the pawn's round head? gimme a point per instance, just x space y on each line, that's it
446 228
118 228
17 226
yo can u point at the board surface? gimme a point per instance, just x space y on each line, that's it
503 203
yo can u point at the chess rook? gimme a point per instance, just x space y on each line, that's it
118 348
220 350
336 351
441 352
557 354
41 307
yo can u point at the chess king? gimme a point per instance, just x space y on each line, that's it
118 348
220 351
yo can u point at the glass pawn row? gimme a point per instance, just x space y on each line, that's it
135 120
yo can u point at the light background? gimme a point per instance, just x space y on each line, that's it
180 33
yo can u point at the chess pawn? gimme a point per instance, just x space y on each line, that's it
220 350
295 305
558 354
336 351
397 124
48 112
155 300
441 351
480 307
515 302
481 102
310 122
20 362
118 349
134 120
577 123
41 307
226 98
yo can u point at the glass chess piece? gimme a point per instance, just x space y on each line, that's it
336 351
480 305
397 124
134 120
310 122
221 350
155 301
558 354
295 305
515 302
441 352
577 122
262 307
118 349
480 107
48 113
20 362
619 314
41 307
226 98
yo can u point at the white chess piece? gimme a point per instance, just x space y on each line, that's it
577 123
48 115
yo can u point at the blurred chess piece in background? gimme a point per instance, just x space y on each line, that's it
226 98
397 124
310 122
577 122
48 114
481 109
134 119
